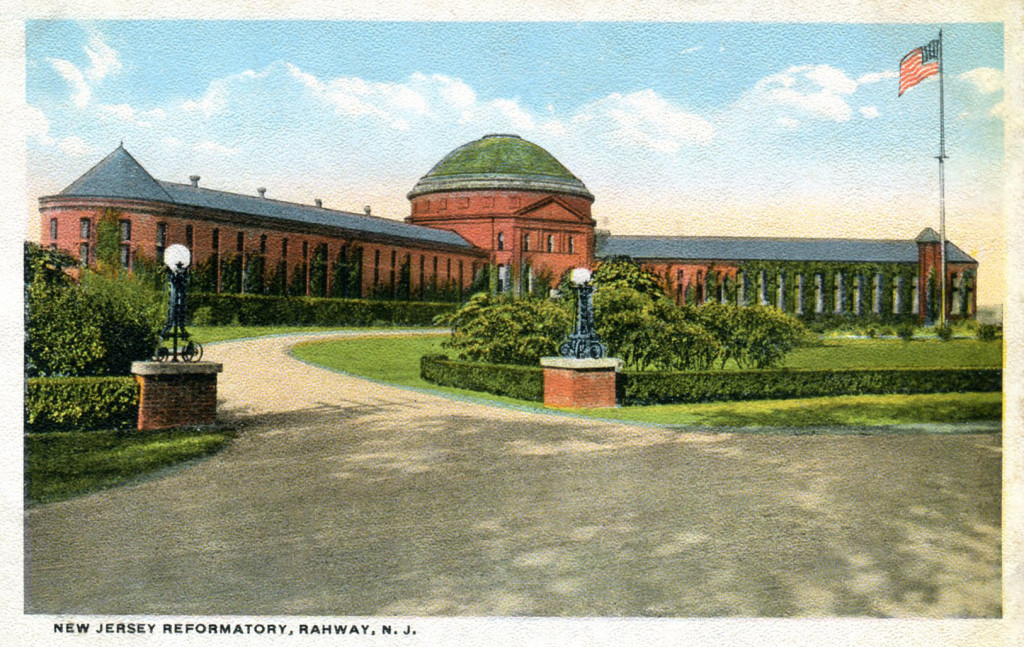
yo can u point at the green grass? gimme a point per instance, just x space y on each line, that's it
62 465
395 360
875 353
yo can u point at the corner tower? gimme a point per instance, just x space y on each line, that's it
514 199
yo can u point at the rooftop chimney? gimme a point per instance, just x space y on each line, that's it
262 191
319 202
194 179
366 209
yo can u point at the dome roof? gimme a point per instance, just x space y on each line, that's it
500 162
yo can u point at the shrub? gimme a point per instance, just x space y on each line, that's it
130 314
651 387
521 382
503 330
80 403
752 336
989 332
945 333
905 332
650 332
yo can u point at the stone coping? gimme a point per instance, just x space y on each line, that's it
582 364
176 368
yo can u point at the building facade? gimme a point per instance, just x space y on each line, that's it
499 203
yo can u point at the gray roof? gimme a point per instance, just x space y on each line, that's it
712 248
119 175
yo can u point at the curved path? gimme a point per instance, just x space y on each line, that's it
345 497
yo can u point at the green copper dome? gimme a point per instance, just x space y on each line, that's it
500 162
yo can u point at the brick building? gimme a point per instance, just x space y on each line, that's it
499 202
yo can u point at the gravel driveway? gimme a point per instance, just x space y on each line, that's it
345 497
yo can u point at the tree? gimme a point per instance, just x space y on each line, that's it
624 272
752 336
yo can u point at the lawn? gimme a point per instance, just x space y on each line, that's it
395 360
62 465
212 334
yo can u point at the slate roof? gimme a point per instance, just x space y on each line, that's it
119 175
769 249
500 162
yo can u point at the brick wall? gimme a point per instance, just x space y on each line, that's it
167 401
576 388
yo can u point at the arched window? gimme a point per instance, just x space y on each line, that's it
551 243
501 241
526 242
572 247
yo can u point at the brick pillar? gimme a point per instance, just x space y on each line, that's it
176 394
579 383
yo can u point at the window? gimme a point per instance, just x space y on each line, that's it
126 230
161 241
305 250
263 244
449 271
216 240
284 249
85 226
572 246
53 227
126 256
526 242
551 243
240 242
376 267
189 236
501 241
83 253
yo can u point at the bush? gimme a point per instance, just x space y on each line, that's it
521 382
503 330
96 326
752 336
81 403
945 333
641 388
905 332
648 332
259 310
989 332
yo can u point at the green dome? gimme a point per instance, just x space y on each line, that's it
500 162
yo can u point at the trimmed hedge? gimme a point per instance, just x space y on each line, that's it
80 403
521 382
665 387
259 310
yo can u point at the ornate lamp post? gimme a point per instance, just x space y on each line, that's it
178 259
583 342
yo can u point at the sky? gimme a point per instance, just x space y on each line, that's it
746 129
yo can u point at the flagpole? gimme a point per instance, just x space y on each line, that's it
942 187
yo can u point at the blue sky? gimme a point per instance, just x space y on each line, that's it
677 128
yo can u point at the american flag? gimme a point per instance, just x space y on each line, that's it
918 65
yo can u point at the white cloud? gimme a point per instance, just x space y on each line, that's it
1001 110
74 146
869 112
80 90
103 60
875 77
645 119
690 50
985 79
787 122
816 91
37 125
213 101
